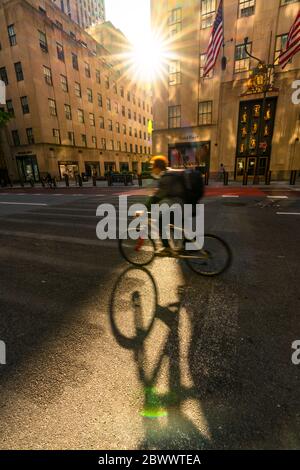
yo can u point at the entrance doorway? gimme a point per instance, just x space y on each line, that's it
68 168
28 168
92 169
109 167
190 155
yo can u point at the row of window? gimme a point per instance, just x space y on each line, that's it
242 60
104 144
204 115
208 11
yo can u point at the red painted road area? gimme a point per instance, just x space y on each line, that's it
117 190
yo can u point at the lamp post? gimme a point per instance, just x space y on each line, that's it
263 85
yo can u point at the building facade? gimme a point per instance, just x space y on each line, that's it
83 12
223 118
70 111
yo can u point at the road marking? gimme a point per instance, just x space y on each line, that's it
288 213
24 203
277 197
230 195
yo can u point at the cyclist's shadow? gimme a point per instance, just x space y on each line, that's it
166 424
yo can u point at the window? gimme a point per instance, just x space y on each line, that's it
116 107
110 125
24 104
134 115
135 148
124 129
71 138
15 137
47 75
94 141
90 95
114 87
281 43
100 102
135 133
174 72
56 135
10 108
141 149
87 70
174 21
208 9
103 143
129 114
144 120
131 148
108 104
92 119
140 134
83 140
80 116
30 136
101 122
139 102
98 77
128 95
286 2
43 41
133 99
77 89
202 65
106 82
242 60
174 117
60 52
123 111
12 35
111 144
68 112
125 147
130 131
140 119
64 83
3 75
58 24
119 146
118 127
246 8
75 61
122 91
205 113
19 71
52 107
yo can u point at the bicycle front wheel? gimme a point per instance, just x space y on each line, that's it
138 252
213 259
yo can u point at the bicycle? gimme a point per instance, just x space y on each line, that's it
213 259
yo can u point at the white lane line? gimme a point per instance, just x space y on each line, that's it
230 195
23 203
288 213
277 197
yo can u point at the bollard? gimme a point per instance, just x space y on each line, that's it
245 179
140 180
293 177
94 181
54 182
206 178
226 178
268 177
79 180
67 181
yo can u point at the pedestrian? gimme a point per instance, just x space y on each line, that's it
221 172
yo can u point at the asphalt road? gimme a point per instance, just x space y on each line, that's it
215 371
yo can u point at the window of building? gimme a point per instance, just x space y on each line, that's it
136 148
90 95
71 138
128 95
144 120
174 72
140 134
83 140
122 91
205 113
242 60
108 104
75 61
129 113
281 43
116 107
125 147
10 108
174 21
98 77
19 71
110 125
99 98
103 143
139 102
286 2
114 87
92 119
30 136
87 70
12 35
134 115
15 137
94 141
130 131
145 136
135 133
140 119
202 66
80 114
56 135
246 8
110 144
68 112
106 81
208 10
118 127
64 83
24 104
174 115
52 107
43 41
60 52
119 146
3 75
58 24
131 148
123 111
78 89
144 105
47 75
124 129
101 122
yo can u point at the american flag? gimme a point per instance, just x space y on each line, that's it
293 43
215 42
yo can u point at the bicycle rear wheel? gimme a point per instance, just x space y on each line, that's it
138 252
213 259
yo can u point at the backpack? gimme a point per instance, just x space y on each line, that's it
187 185
194 186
